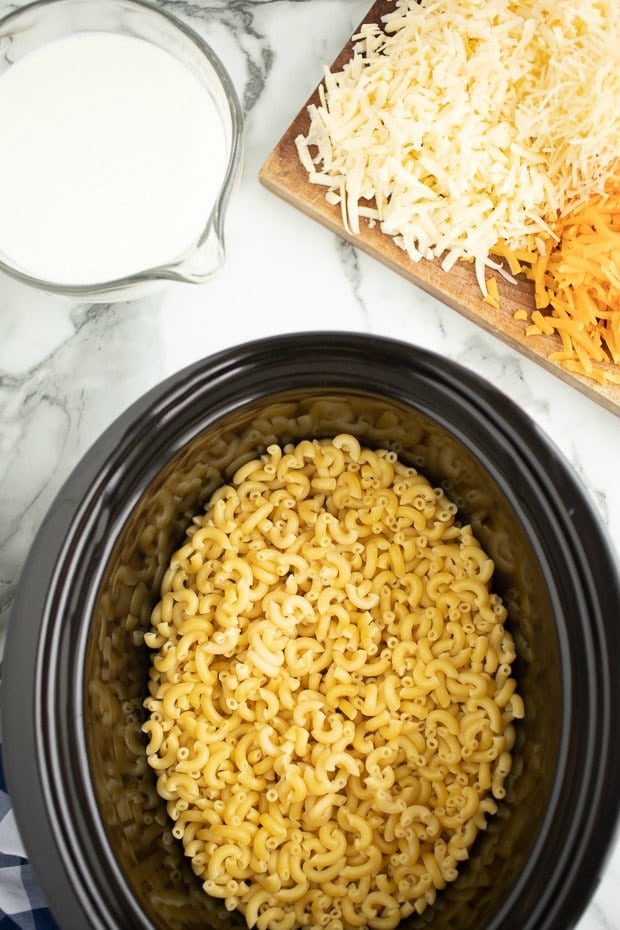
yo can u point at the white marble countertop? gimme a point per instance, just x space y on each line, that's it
67 370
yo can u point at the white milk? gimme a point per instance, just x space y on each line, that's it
111 157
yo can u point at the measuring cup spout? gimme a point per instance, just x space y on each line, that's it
208 254
206 257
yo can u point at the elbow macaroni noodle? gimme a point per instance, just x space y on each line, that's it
331 703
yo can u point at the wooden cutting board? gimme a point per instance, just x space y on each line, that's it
283 174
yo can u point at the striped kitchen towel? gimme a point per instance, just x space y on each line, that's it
22 905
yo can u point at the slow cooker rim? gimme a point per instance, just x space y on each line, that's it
182 381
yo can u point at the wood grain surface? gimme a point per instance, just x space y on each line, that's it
283 174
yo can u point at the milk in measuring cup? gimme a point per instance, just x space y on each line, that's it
112 154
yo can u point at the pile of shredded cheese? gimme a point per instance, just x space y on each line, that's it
574 114
460 123
577 285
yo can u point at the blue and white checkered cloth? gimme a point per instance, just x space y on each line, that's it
22 905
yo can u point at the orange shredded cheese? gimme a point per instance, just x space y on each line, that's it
492 295
577 285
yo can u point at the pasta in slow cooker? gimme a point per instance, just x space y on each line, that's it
331 698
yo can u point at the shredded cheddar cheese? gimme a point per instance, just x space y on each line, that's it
577 285
459 123
492 297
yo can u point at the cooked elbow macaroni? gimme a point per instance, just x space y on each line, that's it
331 707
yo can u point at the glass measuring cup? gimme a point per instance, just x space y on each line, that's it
43 21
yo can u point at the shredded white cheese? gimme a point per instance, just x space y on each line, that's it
574 114
458 123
